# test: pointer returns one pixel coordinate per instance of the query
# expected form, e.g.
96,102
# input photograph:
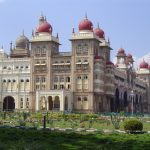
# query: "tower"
21,48
43,46
85,45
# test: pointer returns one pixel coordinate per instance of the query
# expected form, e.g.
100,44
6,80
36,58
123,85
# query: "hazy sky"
125,22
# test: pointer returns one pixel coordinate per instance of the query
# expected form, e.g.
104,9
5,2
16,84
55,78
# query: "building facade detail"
36,76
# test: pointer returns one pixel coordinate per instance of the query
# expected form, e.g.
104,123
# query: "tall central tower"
84,46
43,46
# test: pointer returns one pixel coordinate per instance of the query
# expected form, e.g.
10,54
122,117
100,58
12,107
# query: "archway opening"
117,101
8,103
50,103
125,100
66,103
57,103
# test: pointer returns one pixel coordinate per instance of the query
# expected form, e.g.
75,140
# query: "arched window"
79,77
85,98
61,79
79,98
27,80
67,79
43,79
9,80
21,80
85,77
4,81
68,61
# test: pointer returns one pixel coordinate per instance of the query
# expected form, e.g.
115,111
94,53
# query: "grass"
63,121
17,139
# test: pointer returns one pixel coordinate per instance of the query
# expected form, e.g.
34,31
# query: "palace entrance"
8,103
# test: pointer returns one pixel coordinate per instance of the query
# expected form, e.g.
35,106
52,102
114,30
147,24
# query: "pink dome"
121,51
144,65
99,32
44,27
86,25
129,56
109,63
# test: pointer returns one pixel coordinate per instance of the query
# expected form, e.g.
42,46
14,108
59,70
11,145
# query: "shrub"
133,125
115,120
22,123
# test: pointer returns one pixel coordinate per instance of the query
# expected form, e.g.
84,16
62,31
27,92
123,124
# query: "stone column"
53,99
47,103
37,101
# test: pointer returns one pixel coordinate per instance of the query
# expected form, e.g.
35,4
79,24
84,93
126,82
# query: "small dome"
1,50
22,42
99,32
129,56
143,65
98,57
121,51
109,63
86,24
44,27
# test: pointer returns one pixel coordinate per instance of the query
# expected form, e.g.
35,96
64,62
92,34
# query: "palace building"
36,76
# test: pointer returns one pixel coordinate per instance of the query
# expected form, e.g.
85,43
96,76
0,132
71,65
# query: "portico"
54,100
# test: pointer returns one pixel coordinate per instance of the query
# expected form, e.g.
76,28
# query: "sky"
125,22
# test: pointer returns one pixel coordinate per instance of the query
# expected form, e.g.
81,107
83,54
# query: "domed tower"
44,26
43,47
143,72
129,60
85,45
99,32
22,47
121,59
2,54
104,47
85,25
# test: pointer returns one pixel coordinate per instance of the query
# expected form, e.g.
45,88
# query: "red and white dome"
86,24
144,65
129,56
109,63
121,51
99,32
44,27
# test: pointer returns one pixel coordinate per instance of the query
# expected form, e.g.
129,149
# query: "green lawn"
17,139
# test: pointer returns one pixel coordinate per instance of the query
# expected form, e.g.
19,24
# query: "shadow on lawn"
16,139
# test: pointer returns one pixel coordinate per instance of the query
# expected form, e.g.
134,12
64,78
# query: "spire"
41,20
11,46
73,30
45,18
85,15
98,25
2,47
23,32
57,36
108,40
32,32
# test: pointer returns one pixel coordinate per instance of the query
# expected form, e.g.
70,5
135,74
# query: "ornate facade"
37,76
